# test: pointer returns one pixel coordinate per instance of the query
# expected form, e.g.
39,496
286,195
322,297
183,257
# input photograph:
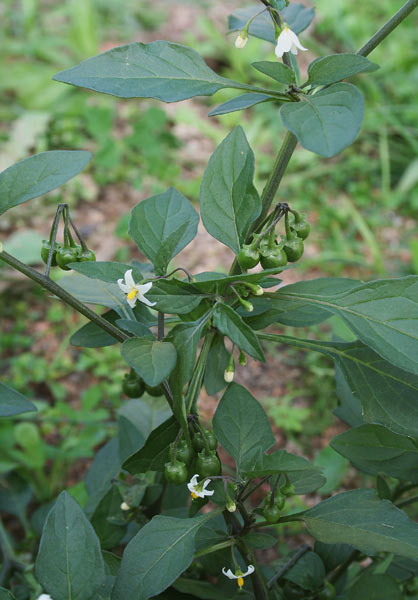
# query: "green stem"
335,576
289,564
214,548
407,502
388,27
68,298
196,382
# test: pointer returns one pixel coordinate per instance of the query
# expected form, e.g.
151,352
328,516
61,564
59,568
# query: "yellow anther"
132,294
194,496
240,581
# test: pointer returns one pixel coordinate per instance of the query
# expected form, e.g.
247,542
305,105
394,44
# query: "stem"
196,382
388,27
289,564
252,490
160,334
334,577
68,298
406,502
260,588
215,548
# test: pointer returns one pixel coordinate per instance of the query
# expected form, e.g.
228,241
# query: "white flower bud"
125,506
241,40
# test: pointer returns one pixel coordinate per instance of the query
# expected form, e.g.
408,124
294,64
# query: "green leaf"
349,409
6,595
326,122
137,329
107,271
97,292
218,358
276,70
361,519
159,553
105,466
185,338
260,541
154,454
277,463
333,555
93,336
174,296
164,70
374,449
218,282
308,572
69,564
308,481
336,67
242,426
229,202
163,225
375,587
240,103
387,394
152,360
382,313
108,509
13,403
297,312
228,322
297,16
38,175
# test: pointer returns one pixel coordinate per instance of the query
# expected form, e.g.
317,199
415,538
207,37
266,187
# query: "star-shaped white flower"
198,490
134,291
288,41
44,597
239,575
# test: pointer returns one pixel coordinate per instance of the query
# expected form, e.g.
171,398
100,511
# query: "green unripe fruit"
288,489
45,252
208,465
271,513
176,472
302,229
133,386
199,444
293,249
248,257
65,256
86,256
271,259
154,391
183,452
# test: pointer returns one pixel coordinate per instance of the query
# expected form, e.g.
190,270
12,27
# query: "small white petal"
132,301
250,570
295,41
229,573
144,287
125,288
129,280
44,597
241,41
206,483
142,298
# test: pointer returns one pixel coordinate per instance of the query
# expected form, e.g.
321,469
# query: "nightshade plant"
140,534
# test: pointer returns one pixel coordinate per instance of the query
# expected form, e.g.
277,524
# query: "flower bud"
242,39
230,505
242,359
256,289
246,305
125,506
229,374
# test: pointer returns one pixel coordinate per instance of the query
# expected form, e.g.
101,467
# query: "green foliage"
12,403
152,360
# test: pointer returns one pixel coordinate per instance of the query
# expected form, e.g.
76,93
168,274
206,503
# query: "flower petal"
144,287
295,41
142,298
284,43
229,573
125,288
129,279
249,571
132,301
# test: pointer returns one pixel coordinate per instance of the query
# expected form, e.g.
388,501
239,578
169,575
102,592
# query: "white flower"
239,575
125,506
241,40
229,375
287,41
198,490
44,597
134,291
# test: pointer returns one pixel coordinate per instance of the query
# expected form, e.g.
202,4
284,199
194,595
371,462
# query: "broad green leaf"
93,336
333,555
228,322
152,360
164,70
185,338
13,403
382,313
349,408
297,16
69,564
174,296
240,103
97,292
106,519
277,463
375,587
276,70
296,312
359,518
104,591
336,67
107,271
137,329
157,556
154,454
105,466
136,419
215,366
308,572
242,426
308,481
334,468
229,202
326,122
374,449
260,541
38,175
218,282
163,225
